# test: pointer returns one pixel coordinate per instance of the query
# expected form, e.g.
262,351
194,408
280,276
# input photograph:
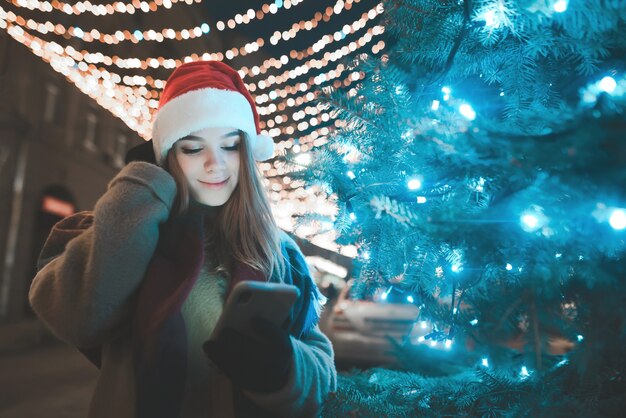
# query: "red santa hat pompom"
205,94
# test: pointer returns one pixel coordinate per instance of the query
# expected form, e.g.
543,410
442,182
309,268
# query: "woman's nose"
213,159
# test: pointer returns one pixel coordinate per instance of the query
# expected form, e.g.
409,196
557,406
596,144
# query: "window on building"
50,104
91,126
120,150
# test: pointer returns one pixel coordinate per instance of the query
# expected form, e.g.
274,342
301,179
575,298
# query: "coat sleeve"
313,374
312,377
92,265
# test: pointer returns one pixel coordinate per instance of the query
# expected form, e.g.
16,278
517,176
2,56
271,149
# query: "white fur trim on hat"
263,148
201,109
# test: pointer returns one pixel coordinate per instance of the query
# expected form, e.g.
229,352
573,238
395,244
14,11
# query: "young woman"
139,283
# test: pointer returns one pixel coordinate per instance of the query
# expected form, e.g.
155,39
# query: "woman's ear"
141,152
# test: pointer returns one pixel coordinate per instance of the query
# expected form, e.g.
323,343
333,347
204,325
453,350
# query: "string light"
608,84
533,219
142,91
560,6
414,184
617,220
524,372
98,9
94,35
467,111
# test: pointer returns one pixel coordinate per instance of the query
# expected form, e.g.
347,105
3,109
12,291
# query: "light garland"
251,14
98,9
121,101
136,36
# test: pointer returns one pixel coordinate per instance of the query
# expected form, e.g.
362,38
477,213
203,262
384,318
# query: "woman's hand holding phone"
259,363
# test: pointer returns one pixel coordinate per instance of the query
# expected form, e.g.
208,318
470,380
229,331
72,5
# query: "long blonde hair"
244,229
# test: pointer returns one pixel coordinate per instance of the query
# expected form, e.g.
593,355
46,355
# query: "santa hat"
205,94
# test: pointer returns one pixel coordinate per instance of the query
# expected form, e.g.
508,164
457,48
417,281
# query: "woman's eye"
233,148
190,151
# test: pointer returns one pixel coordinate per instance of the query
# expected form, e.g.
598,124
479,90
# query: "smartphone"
248,299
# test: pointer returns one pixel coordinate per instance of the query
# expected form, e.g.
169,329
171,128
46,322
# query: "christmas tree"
482,167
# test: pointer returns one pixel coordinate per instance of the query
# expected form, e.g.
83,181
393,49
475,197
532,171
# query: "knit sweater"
90,272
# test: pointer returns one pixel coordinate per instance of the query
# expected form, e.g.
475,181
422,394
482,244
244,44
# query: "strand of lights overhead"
317,64
93,35
313,111
268,110
132,96
300,100
247,17
121,101
123,104
159,84
96,58
135,36
146,7
313,49
98,9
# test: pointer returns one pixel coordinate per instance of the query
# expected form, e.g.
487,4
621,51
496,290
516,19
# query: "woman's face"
209,158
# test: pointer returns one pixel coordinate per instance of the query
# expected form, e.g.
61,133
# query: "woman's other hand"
258,364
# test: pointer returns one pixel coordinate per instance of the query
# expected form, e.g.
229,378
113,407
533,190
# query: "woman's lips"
214,185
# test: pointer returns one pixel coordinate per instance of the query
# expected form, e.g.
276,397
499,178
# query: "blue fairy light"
607,84
435,105
467,111
509,266
533,219
386,294
138,34
530,221
78,32
421,199
560,6
352,216
580,338
366,255
410,299
617,220
424,324
350,175
474,321
456,268
205,28
446,93
485,362
448,344
524,372
414,184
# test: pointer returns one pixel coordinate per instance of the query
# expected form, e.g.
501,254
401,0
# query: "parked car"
361,329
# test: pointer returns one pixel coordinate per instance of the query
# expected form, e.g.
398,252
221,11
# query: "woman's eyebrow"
233,133
197,138
191,138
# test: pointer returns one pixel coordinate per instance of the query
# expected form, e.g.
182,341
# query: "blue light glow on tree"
482,167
